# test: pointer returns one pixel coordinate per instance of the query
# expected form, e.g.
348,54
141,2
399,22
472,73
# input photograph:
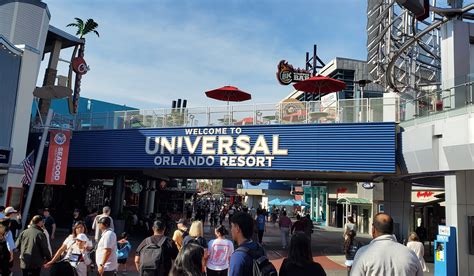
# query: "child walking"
123,248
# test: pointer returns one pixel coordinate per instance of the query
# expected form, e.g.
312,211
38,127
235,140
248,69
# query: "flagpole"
39,157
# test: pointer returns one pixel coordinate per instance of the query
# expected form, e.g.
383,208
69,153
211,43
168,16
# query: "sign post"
35,171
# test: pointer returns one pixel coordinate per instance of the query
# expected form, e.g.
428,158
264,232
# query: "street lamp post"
362,84
39,157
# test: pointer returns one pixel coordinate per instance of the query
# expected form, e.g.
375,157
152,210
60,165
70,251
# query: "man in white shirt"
105,213
384,255
106,254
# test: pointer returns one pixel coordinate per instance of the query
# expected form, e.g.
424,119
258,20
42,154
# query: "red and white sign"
79,66
424,196
56,168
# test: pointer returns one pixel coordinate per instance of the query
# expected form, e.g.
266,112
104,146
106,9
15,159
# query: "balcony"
437,103
293,112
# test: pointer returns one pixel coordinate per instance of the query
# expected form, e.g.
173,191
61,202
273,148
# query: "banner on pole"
56,168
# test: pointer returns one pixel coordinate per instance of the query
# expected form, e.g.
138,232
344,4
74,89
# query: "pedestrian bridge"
290,111
344,141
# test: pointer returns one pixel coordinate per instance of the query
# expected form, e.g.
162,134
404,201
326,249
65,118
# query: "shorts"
122,261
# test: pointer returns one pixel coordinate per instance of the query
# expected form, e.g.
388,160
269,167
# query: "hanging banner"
57,157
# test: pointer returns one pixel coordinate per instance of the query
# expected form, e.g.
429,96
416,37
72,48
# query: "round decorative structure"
136,188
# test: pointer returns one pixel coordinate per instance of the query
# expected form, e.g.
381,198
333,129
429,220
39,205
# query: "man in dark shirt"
299,226
76,217
241,263
33,245
49,223
169,250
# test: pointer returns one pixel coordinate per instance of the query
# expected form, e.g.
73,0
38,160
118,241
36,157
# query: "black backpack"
261,265
151,257
4,252
184,234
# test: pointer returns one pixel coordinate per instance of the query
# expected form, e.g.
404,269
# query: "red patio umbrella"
320,84
246,121
229,93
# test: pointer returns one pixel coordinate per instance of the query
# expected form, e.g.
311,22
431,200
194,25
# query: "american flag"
28,167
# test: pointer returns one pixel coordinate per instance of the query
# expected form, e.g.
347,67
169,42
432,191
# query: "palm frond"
79,25
96,32
90,26
79,21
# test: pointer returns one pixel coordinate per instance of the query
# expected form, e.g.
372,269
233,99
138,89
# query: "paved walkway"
326,245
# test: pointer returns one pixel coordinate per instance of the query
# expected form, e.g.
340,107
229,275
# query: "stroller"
68,266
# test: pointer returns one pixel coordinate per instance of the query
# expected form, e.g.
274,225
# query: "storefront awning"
353,201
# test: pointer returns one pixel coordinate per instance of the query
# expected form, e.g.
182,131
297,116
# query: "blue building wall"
86,105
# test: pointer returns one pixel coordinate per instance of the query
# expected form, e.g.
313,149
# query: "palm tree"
83,29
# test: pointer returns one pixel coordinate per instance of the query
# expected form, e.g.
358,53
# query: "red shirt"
285,222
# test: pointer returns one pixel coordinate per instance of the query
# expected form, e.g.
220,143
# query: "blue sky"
151,52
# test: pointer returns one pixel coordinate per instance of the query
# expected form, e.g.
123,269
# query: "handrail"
341,111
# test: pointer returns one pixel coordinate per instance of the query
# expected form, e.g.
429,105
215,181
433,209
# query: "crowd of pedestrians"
187,252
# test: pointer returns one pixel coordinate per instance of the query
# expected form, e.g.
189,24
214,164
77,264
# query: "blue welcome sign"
366,147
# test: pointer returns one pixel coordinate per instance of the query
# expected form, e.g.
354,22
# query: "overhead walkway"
345,140
286,112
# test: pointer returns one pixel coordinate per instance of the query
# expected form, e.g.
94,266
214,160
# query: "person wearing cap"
49,223
33,247
13,222
77,255
79,228
106,253
180,233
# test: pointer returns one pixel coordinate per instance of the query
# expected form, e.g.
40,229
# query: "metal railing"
454,95
341,111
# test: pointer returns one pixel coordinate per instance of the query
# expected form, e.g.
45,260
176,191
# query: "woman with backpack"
220,250
196,235
189,262
180,233
351,245
300,259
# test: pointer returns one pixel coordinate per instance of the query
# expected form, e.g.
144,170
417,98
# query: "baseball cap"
182,221
10,210
82,237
